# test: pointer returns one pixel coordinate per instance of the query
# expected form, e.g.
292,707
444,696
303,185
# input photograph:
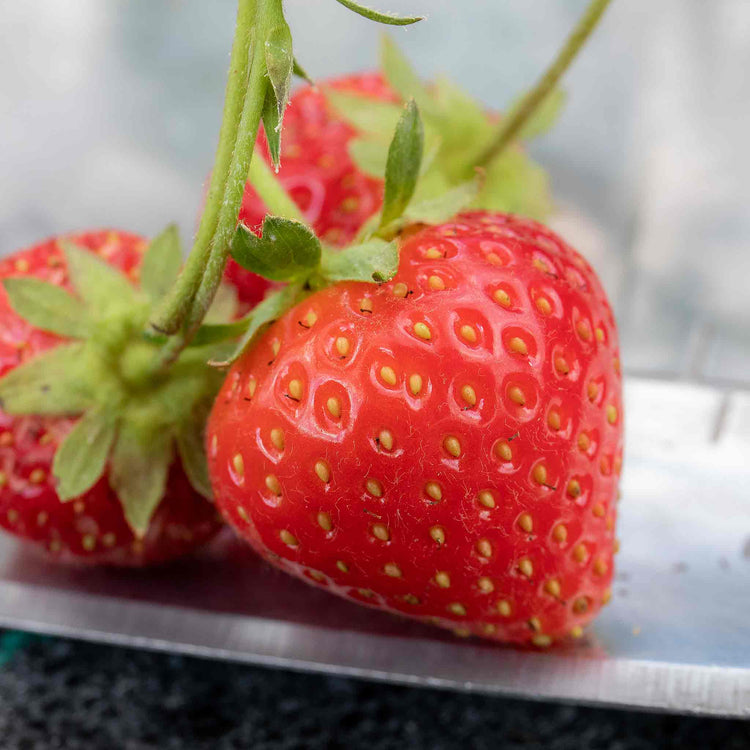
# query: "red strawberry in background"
91,527
318,173
334,147
445,446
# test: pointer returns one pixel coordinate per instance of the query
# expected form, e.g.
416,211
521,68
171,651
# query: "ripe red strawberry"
91,528
317,171
445,446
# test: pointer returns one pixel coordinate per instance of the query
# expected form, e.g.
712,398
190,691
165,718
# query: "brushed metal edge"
620,683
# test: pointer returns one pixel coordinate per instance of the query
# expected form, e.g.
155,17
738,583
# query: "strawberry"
445,446
318,173
93,526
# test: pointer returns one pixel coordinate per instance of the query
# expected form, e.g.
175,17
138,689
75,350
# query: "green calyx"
134,416
458,129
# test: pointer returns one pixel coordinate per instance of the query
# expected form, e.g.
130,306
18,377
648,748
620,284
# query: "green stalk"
277,200
512,126
177,305
213,270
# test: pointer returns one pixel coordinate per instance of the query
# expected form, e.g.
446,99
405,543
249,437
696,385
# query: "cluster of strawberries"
445,444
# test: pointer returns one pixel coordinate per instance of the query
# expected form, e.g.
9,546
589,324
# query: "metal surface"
676,636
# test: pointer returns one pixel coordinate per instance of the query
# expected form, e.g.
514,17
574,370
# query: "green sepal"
48,306
300,72
224,306
403,165
192,449
401,75
80,460
287,250
516,184
101,286
265,312
390,19
445,206
280,61
139,467
366,115
464,125
545,117
279,64
373,261
57,382
161,263
215,333
272,127
370,155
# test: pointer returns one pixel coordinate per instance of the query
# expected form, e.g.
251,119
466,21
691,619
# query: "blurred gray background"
109,113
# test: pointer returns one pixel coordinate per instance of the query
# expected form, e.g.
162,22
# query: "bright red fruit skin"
92,528
318,173
445,446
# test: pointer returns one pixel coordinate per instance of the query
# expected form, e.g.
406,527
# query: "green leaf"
286,250
57,382
82,457
161,263
215,333
365,114
192,448
271,308
280,64
300,72
404,164
370,155
225,305
464,126
544,117
272,127
432,184
401,76
101,286
461,109
390,19
138,472
446,206
280,61
47,306
516,184
373,261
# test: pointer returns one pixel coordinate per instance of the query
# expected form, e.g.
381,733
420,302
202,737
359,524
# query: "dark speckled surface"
73,696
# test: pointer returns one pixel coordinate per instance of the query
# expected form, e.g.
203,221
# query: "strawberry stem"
235,185
512,126
209,272
177,305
